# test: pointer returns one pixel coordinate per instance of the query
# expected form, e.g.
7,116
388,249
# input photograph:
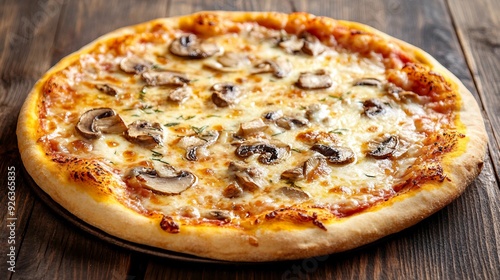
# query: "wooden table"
460,242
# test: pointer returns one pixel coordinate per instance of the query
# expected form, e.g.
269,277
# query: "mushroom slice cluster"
335,154
250,178
270,152
384,148
190,46
168,182
225,94
135,65
280,67
145,133
195,145
318,79
94,122
165,78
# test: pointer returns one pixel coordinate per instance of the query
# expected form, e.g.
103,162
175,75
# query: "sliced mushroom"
315,167
225,94
272,115
164,78
251,128
180,94
107,89
292,44
229,62
144,133
94,122
373,108
280,67
149,178
293,193
250,178
317,112
222,215
398,93
232,190
294,174
335,154
135,65
190,46
314,80
312,45
270,153
384,148
291,122
369,82
195,144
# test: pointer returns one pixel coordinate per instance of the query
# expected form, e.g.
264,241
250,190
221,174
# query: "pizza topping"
317,112
293,193
373,108
250,178
135,65
314,80
290,122
164,78
225,94
180,94
222,215
269,153
272,115
101,120
107,89
311,169
384,148
145,133
294,174
190,46
280,67
335,154
196,145
169,181
369,82
232,190
252,128
315,167
312,45
228,62
305,42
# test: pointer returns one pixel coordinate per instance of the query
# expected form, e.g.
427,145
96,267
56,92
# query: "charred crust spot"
169,225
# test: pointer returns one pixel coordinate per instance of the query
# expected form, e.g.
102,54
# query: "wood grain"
478,27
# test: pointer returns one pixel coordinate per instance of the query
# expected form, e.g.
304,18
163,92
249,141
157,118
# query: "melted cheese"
340,114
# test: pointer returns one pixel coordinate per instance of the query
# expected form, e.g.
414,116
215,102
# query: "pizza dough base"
280,240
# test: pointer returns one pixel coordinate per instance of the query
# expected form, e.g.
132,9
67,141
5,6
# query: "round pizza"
251,136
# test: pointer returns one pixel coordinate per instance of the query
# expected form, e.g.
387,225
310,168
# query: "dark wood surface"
460,242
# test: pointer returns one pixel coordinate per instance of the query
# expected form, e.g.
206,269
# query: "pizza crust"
278,240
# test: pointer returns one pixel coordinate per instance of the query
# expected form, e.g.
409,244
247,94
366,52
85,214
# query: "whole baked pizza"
251,136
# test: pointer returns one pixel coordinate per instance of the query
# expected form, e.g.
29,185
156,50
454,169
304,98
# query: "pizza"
251,136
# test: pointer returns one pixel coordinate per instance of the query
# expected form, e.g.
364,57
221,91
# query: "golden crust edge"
347,233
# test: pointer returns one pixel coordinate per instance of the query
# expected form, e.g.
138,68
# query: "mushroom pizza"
251,136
